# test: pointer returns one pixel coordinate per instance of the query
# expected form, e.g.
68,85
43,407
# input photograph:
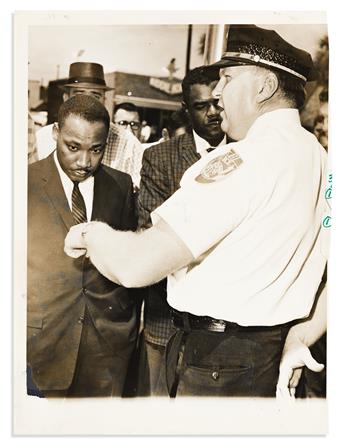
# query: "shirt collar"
278,117
202,144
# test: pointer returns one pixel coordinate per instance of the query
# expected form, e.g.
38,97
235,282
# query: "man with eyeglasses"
126,115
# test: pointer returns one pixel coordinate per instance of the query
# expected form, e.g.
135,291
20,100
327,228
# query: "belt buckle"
218,326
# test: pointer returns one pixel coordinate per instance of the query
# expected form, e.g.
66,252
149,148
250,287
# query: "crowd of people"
192,266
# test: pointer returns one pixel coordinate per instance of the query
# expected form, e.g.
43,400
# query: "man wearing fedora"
242,239
123,150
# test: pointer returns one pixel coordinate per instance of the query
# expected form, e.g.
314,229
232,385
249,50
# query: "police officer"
241,239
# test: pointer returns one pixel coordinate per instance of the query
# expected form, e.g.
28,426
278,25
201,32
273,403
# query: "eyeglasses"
133,124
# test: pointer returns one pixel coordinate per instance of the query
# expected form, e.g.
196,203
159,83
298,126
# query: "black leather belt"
187,321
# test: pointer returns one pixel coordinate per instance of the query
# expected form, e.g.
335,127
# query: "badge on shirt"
219,167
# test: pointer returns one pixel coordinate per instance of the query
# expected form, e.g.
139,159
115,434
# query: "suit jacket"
162,169
59,287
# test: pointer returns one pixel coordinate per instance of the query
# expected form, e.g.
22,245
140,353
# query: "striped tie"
78,205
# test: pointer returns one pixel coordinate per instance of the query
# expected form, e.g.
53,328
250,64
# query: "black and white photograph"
174,198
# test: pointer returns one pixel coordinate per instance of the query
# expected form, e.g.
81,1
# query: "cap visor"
223,63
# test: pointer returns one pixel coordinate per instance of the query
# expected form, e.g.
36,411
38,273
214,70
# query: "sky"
136,49
144,49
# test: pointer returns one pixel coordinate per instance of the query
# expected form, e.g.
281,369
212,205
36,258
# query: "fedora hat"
86,75
251,45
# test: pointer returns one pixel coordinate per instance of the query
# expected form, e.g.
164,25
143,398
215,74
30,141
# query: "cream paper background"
32,416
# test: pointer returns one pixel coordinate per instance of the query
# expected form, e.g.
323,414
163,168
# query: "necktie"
78,205
210,149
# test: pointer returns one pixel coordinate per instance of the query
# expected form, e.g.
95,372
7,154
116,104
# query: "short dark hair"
177,119
127,106
201,76
292,88
86,107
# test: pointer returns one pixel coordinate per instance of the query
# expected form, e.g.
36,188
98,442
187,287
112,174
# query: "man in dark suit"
81,328
162,169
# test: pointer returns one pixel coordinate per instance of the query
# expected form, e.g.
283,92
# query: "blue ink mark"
327,222
328,193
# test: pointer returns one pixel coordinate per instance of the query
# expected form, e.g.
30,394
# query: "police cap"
251,45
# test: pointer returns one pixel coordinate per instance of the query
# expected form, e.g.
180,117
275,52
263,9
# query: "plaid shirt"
123,152
163,166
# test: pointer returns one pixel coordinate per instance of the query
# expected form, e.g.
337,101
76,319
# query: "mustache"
215,120
83,170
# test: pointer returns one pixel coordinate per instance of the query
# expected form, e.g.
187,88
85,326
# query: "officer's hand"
74,241
295,356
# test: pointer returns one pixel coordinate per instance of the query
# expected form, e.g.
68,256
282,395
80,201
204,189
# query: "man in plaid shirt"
162,169
123,150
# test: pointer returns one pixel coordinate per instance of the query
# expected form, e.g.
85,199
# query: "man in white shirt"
81,328
123,150
127,116
242,238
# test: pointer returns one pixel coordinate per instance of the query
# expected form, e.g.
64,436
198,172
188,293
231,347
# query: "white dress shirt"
202,145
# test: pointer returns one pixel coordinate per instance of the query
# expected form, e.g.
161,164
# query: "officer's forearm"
135,259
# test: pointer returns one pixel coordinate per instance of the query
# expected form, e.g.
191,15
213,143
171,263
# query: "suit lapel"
107,202
54,189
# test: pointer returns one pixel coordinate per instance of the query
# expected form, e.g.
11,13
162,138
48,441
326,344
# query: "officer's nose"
217,91
84,160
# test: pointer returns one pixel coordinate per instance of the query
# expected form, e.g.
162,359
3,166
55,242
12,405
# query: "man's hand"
295,356
74,242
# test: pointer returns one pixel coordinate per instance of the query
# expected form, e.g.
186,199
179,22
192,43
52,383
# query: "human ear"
267,87
184,107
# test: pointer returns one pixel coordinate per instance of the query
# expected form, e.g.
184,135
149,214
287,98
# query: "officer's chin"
225,128
231,135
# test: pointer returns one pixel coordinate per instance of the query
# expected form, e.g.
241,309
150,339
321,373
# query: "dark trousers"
98,371
151,374
242,362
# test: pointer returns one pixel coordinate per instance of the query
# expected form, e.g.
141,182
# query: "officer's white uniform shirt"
254,231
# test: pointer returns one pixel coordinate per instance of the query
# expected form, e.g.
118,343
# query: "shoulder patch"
219,167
